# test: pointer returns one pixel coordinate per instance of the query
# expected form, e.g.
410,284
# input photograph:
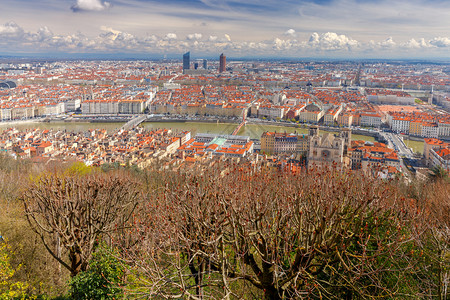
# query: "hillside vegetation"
232,231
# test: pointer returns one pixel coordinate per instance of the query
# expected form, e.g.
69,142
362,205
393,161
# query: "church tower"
346,135
313,131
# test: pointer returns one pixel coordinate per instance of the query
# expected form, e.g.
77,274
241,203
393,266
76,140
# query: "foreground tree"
436,242
77,211
325,234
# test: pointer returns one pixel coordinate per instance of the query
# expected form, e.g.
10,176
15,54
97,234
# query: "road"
134,122
395,141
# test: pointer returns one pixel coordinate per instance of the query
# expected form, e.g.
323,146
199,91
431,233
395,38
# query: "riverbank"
253,129
150,119
19,122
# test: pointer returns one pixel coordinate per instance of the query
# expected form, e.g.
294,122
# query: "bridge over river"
239,127
244,121
134,122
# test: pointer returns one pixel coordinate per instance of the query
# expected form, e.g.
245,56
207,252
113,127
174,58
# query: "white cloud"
171,36
416,44
256,21
331,41
283,45
194,36
44,32
106,28
43,35
109,33
314,39
388,43
440,42
90,5
150,39
14,38
290,32
11,29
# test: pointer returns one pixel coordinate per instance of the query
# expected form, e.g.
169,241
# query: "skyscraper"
223,62
187,61
205,64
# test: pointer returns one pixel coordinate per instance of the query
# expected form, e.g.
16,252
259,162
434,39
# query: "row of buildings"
142,147
389,97
329,149
31,101
326,74
94,147
135,106
420,124
267,90
227,101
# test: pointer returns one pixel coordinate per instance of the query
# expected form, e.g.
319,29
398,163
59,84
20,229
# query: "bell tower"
346,135
313,131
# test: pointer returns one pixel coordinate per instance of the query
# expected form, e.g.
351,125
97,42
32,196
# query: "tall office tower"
187,61
196,65
223,62
205,64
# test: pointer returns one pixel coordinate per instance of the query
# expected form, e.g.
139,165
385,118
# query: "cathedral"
328,149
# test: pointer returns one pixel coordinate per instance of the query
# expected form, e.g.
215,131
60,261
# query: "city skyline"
288,29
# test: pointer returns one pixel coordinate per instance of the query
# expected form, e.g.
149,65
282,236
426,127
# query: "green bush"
102,279
8,288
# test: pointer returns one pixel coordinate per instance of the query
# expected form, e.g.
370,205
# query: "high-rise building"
223,62
187,61
205,64
196,65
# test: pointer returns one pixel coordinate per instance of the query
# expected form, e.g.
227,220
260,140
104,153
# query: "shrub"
101,280
8,288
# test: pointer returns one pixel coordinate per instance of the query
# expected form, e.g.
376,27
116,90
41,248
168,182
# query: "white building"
371,120
444,129
54,109
272,112
72,105
131,107
172,86
430,130
399,124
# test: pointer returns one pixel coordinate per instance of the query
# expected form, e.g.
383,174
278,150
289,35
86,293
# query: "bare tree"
325,233
76,211
435,243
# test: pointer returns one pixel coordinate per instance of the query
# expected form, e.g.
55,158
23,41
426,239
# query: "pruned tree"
435,242
76,211
325,234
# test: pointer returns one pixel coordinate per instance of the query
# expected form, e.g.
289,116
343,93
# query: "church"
328,149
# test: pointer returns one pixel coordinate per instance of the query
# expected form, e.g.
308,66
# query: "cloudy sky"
239,28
